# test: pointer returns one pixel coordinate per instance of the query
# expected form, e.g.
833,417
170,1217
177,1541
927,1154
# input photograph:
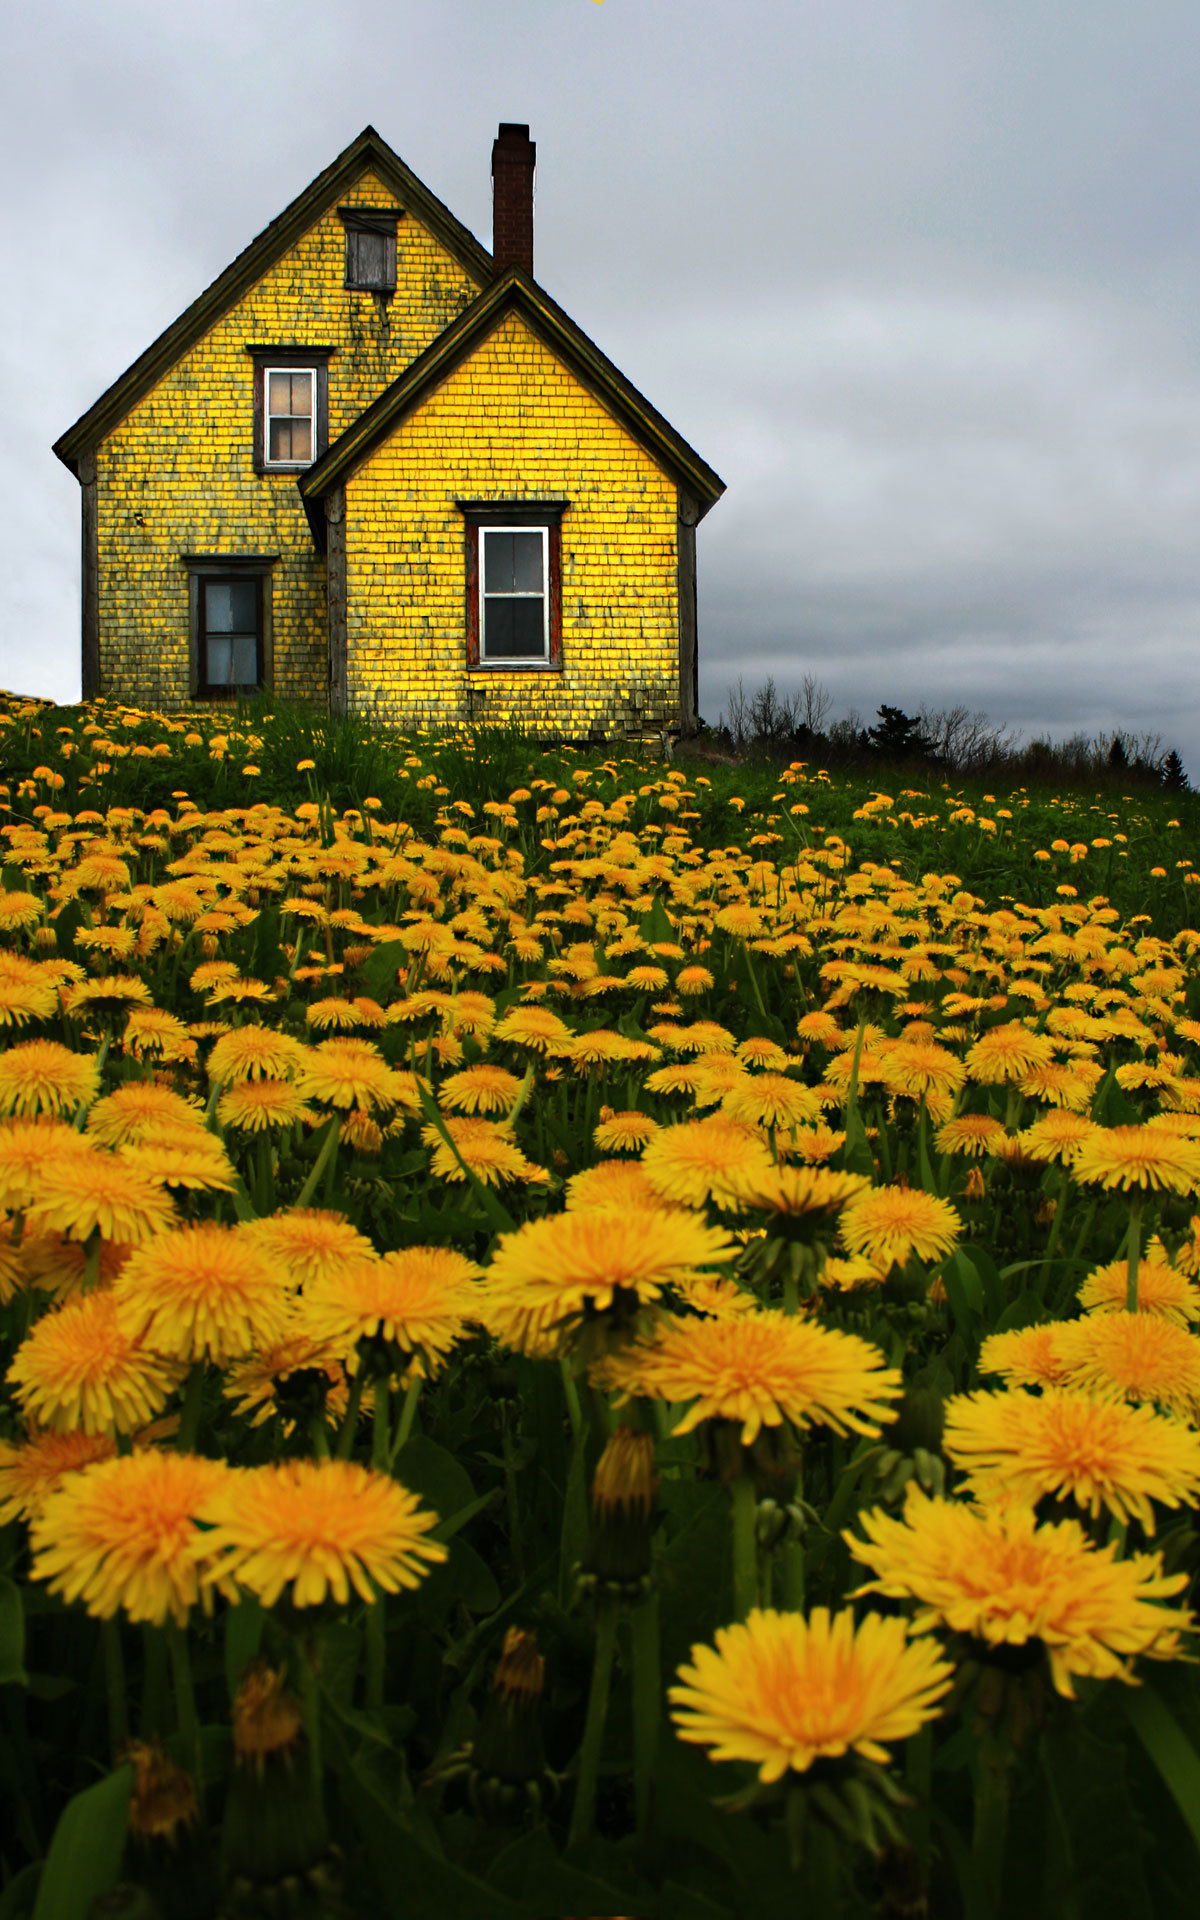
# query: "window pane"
497,562
301,400
280,445
219,655
245,660
279,394
301,440
513,630
527,562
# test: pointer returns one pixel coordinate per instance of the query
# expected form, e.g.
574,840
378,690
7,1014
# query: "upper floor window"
231,626
370,247
291,407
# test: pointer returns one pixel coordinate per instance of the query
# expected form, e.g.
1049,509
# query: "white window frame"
288,466
507,660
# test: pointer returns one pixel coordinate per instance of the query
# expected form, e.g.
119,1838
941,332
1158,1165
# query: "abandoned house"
375,465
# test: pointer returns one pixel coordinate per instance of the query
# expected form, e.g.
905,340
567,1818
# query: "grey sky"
920,278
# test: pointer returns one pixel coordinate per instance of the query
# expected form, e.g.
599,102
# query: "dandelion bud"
508,1758
624,1490
274,1828
976,1187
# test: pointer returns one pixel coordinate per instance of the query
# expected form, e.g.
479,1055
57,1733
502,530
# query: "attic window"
370,248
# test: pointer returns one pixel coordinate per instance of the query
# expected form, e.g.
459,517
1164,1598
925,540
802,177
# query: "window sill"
515,666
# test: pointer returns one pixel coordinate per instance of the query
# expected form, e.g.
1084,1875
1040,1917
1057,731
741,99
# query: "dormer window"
291,407
370,248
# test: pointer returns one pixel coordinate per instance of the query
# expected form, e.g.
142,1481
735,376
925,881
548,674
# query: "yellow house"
375,465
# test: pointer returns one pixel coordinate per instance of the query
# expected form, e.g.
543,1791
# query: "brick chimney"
513,158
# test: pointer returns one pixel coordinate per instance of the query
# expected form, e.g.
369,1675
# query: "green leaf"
85,1853
499,1216
964,1291
435,1475
12,1635
243,1635
1170,1749
16,1902
655,926
381,968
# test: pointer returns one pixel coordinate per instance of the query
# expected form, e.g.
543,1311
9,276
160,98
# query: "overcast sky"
919,278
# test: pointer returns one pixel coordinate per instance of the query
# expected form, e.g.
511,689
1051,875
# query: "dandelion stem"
515,1543
376,1614
647,1704
593,1732
1135,1236
328,1149
345,1440
574,1410
745,1546
990,1831
189,1419
154,1682
185,1701
408,1413
114,1688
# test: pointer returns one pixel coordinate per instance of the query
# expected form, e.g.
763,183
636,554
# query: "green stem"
574,1410
154,1682
516,1545
345,1439
310,1701
328,1149
319,1437
647,1705
376,1614
1135,1237
114,1688
990,1830
185,1701
745,1546
408,1414
593,1732
189,1419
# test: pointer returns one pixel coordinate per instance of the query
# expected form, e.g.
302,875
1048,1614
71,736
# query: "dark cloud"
920,282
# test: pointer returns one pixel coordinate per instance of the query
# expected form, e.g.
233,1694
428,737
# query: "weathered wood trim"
89,577
689,664
335,523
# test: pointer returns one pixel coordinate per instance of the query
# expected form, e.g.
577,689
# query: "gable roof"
369,150
513,292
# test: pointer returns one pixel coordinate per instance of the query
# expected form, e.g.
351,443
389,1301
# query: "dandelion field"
589,1337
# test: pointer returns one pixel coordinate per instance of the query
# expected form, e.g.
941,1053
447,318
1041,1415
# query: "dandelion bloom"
1007,1053
535,1028
974,1134
347,1073
311,1242
552,1271
1161,1288
701,1159
998,1576
252,1106
800,1191
27,991
482,1088
79,1367
916,1068
123,1534
485,1147
42,1076
611,1183
38,1464
624,1130
203,1292
154,1030
890,1223
98,1191
321,1527
691,981
1028,1356
26,1147
1141,1356
772,1100
140,1108
255,1052
1056,1136
419,1297
1142,1157
1071,1445
781,1691
761,1369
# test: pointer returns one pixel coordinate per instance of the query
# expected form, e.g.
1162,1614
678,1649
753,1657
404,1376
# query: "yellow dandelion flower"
347,1073
800,1191
772,1100
1161,1288
1055,1136
152,1030
41,1076
973,1134
421,1298
310,1243
482,1088
252,1384
1028,1356
782,1691
79,1367
139,1109
204,1291
1007,1053
188,1157
27,991
26,1147
251,1106
888,1224
814,1145
552,1272
702,1159
123,1534
622,1132
534,1028
692,981
1141,1356
98,1192
916,1068
1138,1156
1070,1445
38,1464
761,1369
320,1528
483,1146
611,1183
255,1052
998,1576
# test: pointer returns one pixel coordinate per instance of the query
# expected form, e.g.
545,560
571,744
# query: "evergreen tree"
1174,778
897,736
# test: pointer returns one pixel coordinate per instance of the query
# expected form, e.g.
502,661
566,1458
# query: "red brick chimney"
513,158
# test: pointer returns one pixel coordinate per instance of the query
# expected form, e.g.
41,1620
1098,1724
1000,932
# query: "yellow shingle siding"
513,423
177,475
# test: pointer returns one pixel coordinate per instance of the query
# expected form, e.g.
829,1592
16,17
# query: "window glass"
290,416
514,608
514,630
229,637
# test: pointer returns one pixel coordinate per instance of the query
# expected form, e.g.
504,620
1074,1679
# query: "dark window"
370,248
229,652
514,582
